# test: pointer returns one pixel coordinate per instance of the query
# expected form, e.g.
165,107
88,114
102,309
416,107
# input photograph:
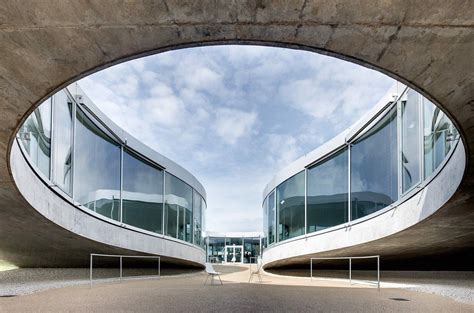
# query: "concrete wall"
46,45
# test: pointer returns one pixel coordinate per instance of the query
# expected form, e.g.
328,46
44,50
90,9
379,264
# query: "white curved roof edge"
335,143
233,234
135,144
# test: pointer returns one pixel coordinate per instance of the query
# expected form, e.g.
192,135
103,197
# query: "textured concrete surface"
456,285
30,280
48,44
187,294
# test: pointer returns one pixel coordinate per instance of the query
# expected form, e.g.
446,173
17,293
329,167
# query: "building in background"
234,247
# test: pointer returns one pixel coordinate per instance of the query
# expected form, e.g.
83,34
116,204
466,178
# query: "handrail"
121,258
350,265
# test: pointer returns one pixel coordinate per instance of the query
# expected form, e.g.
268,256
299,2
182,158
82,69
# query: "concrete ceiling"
46,45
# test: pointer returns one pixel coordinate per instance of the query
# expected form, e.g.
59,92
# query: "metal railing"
350,265
121,263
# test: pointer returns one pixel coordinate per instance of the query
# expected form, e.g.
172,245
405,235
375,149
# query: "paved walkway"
187,294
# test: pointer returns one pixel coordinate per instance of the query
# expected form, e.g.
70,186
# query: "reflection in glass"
374,168
215,250
439,136
178,208
35,136
233,241
290,207
203,222
197,212
265,223
270,201
327,191
233,254
251,250
63,138
97,160
142,195
410,118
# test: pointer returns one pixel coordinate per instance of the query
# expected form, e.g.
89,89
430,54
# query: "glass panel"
374,171
35,136
97,174
234,254
178,208
265,222
290,206
197,211
142,195
251,250
216,250
181,223
63,137
233,241
171,220
439,136
188,225
328,192
410,141
203,220
271,218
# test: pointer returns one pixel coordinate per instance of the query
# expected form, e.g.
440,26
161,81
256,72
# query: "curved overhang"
426,47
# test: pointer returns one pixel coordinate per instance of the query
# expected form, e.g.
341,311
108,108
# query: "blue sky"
235,115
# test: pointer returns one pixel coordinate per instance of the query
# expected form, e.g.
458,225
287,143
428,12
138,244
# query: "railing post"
90,271
378,272
311,268
120,268
350,270
159,267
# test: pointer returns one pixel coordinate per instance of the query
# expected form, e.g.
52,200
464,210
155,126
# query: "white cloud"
167,111
232,124
308,97
287,146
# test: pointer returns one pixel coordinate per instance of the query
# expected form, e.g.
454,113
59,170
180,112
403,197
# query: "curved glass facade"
374,170
290,207
327,192
142,193
397,150
82,157
35,135
97,168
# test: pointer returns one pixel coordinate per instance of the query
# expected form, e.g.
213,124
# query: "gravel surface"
30,280
188,294
456,285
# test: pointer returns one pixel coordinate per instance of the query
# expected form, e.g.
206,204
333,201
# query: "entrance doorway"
233,254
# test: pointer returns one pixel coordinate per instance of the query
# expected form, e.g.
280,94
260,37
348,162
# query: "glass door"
233,254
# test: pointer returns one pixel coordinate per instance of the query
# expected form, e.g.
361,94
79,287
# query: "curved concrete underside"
46,45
